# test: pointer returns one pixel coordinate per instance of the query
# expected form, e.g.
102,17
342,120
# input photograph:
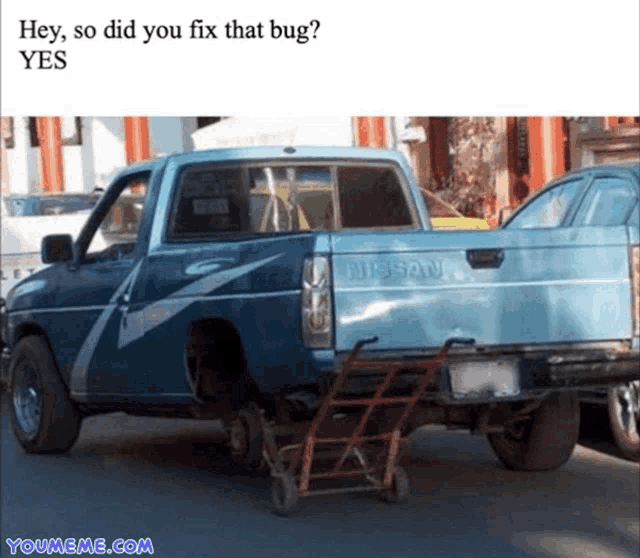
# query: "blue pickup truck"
244,278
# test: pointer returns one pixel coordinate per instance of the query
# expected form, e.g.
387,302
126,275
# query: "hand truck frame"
291,466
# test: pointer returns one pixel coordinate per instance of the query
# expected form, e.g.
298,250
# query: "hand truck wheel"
399,492
284,494
246,438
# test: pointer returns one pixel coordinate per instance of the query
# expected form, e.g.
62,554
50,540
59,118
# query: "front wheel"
43,417
544,442
624,417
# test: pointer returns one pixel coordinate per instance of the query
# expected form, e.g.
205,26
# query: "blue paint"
119,329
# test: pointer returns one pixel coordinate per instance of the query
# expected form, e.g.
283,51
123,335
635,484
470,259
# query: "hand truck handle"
364,342
459,341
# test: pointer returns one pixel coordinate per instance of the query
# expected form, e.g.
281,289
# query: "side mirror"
56,248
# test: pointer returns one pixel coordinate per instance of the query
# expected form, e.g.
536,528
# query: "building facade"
77,154
507,159
493,163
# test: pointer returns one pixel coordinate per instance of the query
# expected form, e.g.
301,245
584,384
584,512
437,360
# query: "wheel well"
25,330
215,351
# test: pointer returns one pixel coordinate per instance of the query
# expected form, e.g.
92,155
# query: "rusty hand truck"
291,465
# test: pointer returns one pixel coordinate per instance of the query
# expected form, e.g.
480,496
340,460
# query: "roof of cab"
287,152
257,153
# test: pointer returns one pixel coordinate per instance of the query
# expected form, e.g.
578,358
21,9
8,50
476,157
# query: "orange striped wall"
136,132
50,138
371,131
137,142
546,151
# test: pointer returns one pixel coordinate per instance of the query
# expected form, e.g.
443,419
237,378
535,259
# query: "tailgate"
414,290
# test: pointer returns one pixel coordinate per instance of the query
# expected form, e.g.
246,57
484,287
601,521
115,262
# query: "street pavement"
171,481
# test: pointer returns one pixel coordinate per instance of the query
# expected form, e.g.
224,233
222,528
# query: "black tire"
284,494
544,443
43,417
248,451
624,418
399,493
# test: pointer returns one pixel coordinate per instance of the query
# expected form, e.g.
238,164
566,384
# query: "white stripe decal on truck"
80,368
158,312
142,321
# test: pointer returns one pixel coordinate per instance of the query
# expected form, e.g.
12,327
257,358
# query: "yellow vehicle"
445,216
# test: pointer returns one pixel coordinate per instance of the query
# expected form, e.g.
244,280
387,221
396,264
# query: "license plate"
497,378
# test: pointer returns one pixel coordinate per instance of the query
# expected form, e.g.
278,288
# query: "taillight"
317,305
635,288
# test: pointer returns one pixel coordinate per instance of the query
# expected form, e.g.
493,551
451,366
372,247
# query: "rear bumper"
595,373
582,368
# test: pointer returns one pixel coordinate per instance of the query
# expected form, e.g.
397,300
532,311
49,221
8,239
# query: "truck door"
96,292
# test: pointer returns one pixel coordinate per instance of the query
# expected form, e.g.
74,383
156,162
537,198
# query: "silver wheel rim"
627,408
27,400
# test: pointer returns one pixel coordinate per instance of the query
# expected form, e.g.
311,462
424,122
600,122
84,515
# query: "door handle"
490,258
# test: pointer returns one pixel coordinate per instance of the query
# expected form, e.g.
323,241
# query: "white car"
26,219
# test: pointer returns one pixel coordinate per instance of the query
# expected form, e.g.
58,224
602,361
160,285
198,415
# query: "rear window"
284,199
288,198
371,198
209,202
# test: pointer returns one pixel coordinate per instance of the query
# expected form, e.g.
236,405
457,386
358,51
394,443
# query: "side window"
607,203
117,234
549,209
371,197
